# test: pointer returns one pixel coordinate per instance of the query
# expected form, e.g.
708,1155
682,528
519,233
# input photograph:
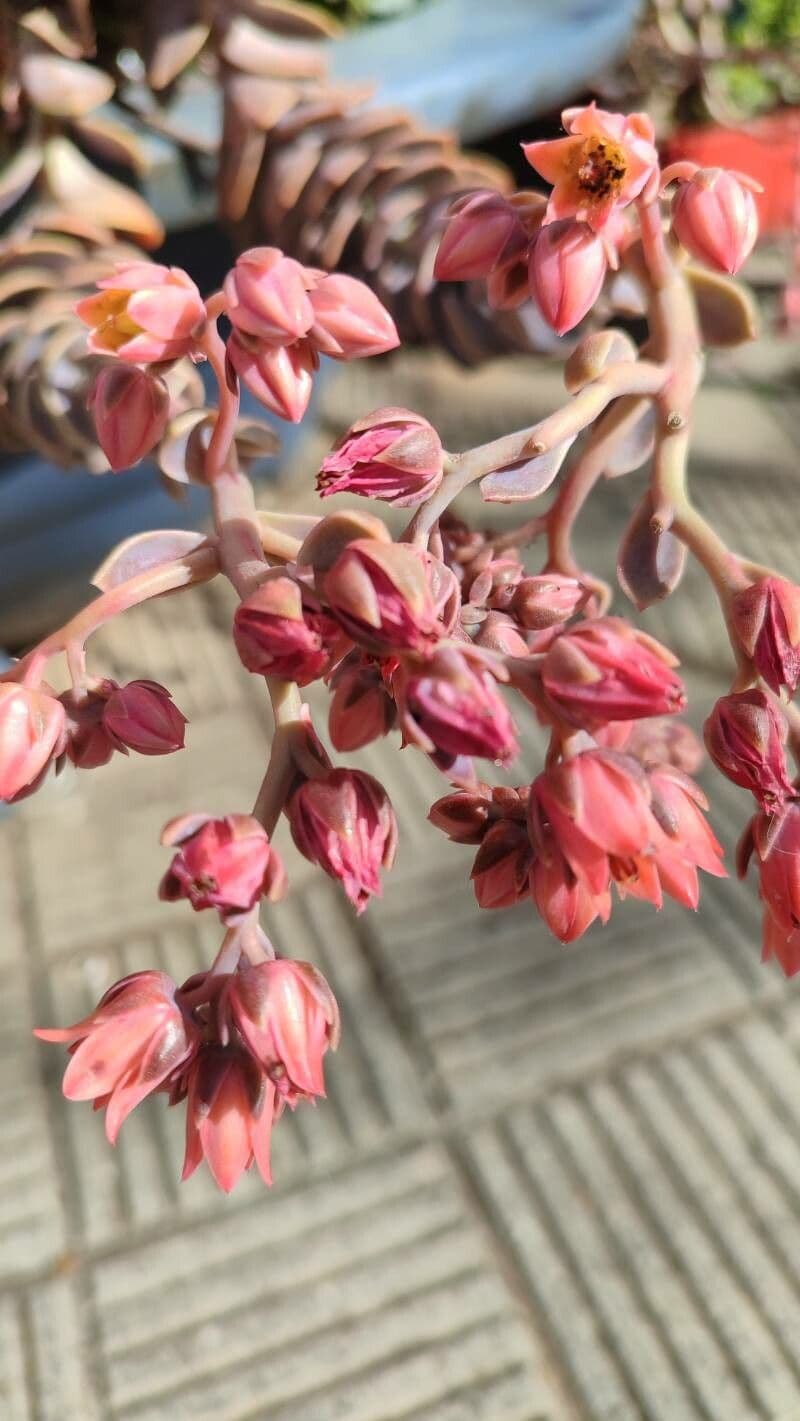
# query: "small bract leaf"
650,564
726,309
635,441
145,551
592,354
527,478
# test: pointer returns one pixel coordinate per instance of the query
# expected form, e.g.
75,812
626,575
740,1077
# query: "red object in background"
768,149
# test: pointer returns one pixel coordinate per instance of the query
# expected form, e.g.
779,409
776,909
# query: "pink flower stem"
641,377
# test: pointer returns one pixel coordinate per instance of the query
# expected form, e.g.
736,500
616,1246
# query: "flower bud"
607,670
502,865
130,408
463,815
142,716
287,1016
333,533
498,632
267,297
227,864
663,740
545,601
392,454
379,593
32,725
361,709
144,313
280,630
566,270
231,1107
479,228
564,901
344,821
280,377
766,617
451,705
745,735
350,322
88,743
714,216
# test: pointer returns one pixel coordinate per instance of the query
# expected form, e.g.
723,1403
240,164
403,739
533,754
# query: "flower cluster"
429,633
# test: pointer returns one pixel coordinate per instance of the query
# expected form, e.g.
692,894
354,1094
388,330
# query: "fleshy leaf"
726,309
650,563
65,88
636,440
527,478
145,551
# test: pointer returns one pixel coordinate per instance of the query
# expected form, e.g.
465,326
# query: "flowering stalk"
427,634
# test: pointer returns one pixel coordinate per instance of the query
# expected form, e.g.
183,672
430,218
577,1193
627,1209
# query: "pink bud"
349,320
745,735
451,705
230,1110
267,296
32,727
380,594
766,617
662,740
464,815
776,839
88,743
142,716
281,630
566,270
288,1018
607,670
344,821
545,601
502,865
226,864
392,454
144,313
715,217
135,1040
479,229
130,408
361,709
281,377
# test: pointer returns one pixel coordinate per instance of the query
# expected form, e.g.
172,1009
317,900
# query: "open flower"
287,1016
129,1046
227,863
775,838
391,454
595,805
601,166
230,1110
144,313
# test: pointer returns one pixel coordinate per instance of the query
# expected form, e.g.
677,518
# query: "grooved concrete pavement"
548,1184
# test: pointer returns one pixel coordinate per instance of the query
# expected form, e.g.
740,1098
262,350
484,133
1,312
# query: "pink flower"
281,630
687,842
144,313
480,228
288,1018
745,735
230,1110
280,377
343,820
563,900
776,841
267,297
714,215
142,716
566,270
129,1046
392,454
380,594
595,805
602,165
130,409
766,617
546,601
451,705
228,864
361,709
350,322
502,865
88,743
32,728
607,670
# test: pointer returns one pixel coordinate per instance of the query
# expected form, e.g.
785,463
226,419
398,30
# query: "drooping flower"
288,1018
144,313
381,595
130,408
566,271
32,728
766,617
607,670
714,216
281,630
343,820
227,864
775,838
279,377
391,454
136,1038
502,865
451,704
564,901
361,709
230,1109
686,842
745,737
595,805
142,716
602,165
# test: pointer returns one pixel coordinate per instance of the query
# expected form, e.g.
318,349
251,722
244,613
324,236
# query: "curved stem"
221,444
